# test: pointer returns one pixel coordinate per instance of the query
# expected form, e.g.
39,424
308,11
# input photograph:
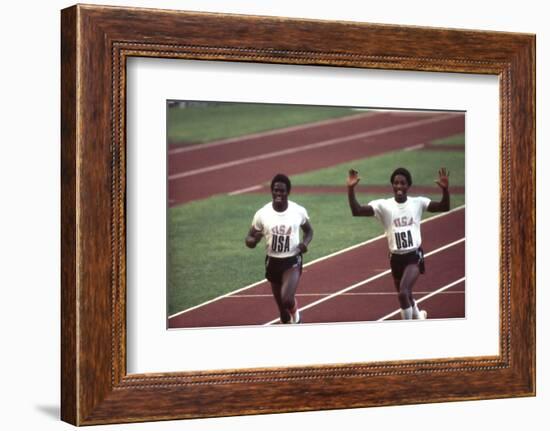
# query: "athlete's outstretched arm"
253,238
443,183
308,236
356,208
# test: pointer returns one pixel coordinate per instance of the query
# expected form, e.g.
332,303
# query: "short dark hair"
404,172
281,178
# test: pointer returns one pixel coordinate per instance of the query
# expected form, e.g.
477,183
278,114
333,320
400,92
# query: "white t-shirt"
281,229
401,222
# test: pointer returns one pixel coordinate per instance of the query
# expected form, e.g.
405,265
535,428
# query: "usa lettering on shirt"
403,239
401,221
281,229
280,240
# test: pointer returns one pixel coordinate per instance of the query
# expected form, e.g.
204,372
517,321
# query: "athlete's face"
400,188
279,194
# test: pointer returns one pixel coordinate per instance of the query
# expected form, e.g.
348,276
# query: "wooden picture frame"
96,42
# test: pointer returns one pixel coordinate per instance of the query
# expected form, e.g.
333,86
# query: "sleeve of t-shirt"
376,205
257,221
424,202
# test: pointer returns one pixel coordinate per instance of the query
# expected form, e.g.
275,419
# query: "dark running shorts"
275,267
398,262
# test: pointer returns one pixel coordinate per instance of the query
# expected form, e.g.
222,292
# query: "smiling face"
400,187
279,193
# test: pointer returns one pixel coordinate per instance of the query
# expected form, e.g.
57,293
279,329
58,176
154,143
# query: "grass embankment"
202,124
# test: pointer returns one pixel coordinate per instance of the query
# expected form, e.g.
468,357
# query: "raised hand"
353,178
443,180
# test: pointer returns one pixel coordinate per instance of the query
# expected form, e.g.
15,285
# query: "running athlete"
401,217
280,222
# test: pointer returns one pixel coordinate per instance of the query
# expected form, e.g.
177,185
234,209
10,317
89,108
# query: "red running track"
201,171
368,301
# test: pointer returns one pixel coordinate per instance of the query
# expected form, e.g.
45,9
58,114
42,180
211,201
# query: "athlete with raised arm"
401,216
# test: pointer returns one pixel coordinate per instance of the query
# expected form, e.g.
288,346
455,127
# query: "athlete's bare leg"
410,275
291,277
276,290
396,283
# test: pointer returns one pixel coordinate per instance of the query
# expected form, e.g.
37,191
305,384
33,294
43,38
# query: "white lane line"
366,281
320,259
271,132
414,147
304,148
418,301
304,295
458,241
187,310
248,189
340,292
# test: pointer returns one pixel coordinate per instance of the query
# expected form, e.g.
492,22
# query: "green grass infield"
211,122
423,166
451,140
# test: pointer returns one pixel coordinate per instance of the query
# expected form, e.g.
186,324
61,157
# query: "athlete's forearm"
308,236
352,200
356,208
443,205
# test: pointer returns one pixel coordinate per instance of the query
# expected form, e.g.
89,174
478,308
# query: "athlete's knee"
396,284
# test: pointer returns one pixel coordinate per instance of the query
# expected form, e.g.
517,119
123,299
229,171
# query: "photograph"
303,214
